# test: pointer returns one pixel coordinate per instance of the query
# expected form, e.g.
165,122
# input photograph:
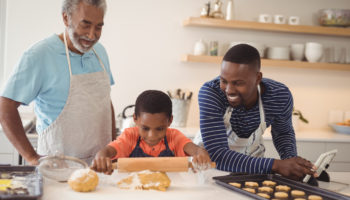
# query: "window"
2,39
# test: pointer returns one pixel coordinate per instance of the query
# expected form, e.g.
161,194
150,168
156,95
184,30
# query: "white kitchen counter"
183,186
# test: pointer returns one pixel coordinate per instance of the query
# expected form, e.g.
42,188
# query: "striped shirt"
278,107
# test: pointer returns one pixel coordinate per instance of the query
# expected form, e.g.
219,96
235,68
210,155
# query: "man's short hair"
153,101
243,54
69,6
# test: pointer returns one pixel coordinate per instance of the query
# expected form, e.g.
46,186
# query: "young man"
151,136
237,107
68,77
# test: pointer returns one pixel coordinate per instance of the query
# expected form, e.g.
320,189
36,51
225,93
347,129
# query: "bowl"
334,17
341,128
278,53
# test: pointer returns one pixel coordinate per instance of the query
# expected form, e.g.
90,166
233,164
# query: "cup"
279,19
200,48
213,48
265,18
329,55
293,20
297,51
313,51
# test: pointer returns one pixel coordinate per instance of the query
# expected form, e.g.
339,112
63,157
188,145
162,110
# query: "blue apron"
138,152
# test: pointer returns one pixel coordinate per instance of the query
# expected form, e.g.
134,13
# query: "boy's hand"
102,164
201,159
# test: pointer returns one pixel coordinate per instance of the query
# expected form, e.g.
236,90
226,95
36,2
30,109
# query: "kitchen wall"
145,40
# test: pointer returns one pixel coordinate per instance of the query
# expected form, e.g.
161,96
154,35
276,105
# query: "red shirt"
127,141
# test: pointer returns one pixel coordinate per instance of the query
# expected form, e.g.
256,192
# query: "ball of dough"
83,180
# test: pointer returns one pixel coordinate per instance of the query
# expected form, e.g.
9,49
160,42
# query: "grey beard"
76,43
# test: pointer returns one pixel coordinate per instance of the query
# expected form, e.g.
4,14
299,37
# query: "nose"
92,34
151,135
230,89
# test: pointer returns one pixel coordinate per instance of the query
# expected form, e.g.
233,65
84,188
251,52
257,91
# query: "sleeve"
282,131
26,80
124,144
178,140
214,137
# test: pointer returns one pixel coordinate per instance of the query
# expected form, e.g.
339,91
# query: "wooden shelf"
271,63
221,23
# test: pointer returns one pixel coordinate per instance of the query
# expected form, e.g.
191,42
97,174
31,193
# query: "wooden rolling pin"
163,164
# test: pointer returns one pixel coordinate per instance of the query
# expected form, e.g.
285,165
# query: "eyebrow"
88,22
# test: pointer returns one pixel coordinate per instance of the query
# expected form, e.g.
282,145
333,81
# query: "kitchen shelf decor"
250,25
271,63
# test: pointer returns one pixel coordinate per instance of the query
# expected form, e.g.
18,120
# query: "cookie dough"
281,195
83,180
314,197
145,180
297,193
264,195
251,184
265,189
282,188
251,190
238,185
269,183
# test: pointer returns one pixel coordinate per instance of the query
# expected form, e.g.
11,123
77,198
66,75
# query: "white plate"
341,129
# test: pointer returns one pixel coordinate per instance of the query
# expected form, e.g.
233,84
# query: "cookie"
251,184
299,199
269,183
297,193
264,195
265,189
281,195
238,185
314,197
282,188
251,190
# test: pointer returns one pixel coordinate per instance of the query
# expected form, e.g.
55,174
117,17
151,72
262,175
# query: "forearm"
284,143
190,149
108,152
14,131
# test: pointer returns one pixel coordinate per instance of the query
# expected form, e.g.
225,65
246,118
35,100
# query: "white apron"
85,124
253,145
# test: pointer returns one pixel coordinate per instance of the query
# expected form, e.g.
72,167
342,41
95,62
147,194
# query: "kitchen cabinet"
256,26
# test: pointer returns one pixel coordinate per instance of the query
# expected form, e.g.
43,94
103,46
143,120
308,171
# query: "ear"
65,19
134,117
170,120
258,78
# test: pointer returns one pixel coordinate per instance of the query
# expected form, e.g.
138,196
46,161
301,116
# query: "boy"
151,137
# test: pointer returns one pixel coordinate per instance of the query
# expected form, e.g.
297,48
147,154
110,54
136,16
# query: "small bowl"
341,128
334,17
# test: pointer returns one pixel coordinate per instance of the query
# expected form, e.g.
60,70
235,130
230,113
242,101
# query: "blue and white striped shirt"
278,107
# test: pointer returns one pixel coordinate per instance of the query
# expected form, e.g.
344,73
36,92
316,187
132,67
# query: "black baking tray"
259,178
33,182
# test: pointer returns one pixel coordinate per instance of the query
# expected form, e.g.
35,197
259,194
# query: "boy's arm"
199,154
102,161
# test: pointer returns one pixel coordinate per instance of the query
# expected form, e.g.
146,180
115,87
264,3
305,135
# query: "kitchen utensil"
124,120
60,167
165,164
259,178
180,109
322,163
341,128
297,51
334,17
313,51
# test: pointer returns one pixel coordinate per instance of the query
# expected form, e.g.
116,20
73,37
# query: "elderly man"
237,107
68,77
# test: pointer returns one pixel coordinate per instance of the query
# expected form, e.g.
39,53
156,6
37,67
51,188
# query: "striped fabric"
278,106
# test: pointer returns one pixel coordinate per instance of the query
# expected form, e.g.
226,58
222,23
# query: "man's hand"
34,160
294,168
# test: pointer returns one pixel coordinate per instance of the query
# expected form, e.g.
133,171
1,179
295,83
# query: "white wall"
145,40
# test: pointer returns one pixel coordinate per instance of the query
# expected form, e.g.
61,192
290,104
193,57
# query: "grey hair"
69,6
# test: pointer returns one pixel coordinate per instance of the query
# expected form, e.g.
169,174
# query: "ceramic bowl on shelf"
334,17
278,53
341,128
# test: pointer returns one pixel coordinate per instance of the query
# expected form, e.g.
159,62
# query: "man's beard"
75,40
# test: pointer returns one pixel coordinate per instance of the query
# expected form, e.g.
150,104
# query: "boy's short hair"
153,101
243,54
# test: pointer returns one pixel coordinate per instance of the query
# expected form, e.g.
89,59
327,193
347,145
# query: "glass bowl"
334,17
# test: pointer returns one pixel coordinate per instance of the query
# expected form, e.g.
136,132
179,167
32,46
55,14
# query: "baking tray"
259,178
28,176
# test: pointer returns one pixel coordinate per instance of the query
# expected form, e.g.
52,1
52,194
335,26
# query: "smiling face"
152,127
84,27
239,82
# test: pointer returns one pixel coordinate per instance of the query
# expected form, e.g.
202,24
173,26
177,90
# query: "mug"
297,51
279,19
265,18
293,20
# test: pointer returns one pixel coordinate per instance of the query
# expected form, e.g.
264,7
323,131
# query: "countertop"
183,186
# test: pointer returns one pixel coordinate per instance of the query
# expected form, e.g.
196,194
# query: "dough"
265,189
251,190
281,195
269,183
314,197
146,180
264,195
83,180
251,184
238,185
297,193
282,188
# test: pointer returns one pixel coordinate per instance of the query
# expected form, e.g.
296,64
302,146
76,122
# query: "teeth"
232,98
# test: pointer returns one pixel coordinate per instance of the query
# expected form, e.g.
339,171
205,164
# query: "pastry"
299,199
251,184
282,188
269,183
265,189
238,185
264,195
251,190
297,193
314,197
146,180
83,180
281,195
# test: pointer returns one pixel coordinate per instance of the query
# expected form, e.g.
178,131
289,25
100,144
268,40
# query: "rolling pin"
163,164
